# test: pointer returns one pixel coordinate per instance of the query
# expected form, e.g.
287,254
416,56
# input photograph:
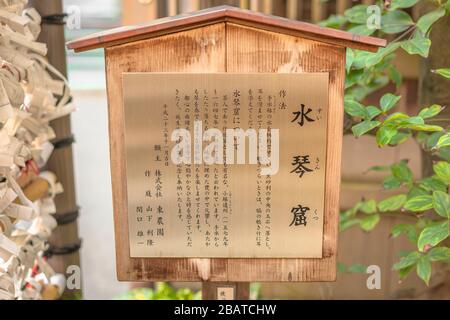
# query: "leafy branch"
426,200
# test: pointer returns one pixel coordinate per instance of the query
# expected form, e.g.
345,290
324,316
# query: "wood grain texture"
214,15
232,48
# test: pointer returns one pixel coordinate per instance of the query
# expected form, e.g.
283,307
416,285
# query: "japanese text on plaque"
225,165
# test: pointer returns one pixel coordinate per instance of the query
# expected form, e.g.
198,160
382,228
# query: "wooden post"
172,7
189,5
292,9
317,11
254,5
61,161
244,4
134,12
341,6
267,6
225,290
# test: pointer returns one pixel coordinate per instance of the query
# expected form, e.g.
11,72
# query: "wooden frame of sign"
244,42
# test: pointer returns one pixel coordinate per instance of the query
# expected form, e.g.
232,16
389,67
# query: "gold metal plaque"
225,165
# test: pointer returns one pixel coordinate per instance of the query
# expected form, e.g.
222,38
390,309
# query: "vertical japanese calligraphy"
225,165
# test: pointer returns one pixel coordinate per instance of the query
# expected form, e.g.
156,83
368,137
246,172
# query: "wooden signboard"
213,55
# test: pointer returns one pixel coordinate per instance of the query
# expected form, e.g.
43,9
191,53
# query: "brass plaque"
224,165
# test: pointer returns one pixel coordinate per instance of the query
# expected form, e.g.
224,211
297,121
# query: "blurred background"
91,159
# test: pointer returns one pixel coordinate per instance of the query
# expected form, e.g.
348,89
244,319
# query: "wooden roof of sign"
214,15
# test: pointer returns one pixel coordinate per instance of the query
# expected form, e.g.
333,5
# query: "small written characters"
229,148
225,165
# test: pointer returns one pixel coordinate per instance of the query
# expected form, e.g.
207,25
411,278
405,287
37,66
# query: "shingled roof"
200,18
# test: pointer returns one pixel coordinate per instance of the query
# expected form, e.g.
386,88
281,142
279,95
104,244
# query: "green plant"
162,291
426,200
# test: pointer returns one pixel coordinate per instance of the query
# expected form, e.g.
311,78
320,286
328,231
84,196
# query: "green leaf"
395,76
433,139
375,58
395,21
379,168
426,21
344,225
388,101
341,267
396,117
354,108
439,254
403,253
444,141
416,191
350,212
333,21
411,121
368,207
432,184
399,4
393,203
357,268
417,123
424,127
408,229
399,138
363,127
424,269
418,44
433,235
349,57
361,30
360,60
410,260
370,222
444,154
357,14
442,170
402,273
384,135
372,112
402,172
441,203
443,72
419,203
391,182
431,111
